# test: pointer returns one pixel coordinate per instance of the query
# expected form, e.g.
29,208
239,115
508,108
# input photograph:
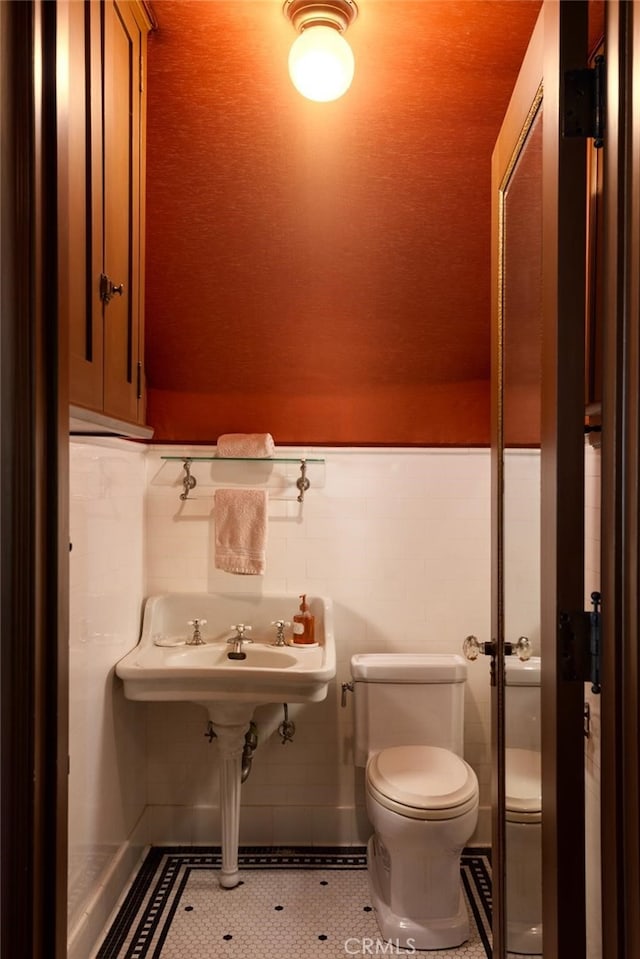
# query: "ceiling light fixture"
321,62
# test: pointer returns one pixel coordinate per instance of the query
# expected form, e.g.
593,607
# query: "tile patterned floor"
302,903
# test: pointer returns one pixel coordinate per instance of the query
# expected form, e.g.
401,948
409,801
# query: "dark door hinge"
583,103
139,380
580,645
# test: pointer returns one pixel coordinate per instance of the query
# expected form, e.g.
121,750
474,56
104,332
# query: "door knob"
522,648
108,289
472,648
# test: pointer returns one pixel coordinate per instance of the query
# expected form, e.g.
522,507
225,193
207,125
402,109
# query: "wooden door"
542,404
122,73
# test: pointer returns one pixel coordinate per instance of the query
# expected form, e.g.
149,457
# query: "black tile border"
476,879
164,863
132,904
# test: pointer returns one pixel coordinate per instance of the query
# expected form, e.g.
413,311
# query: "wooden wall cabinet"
101,131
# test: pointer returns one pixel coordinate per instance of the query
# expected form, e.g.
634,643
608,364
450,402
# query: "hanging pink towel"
240,517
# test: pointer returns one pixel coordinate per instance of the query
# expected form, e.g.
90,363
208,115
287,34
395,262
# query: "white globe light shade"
321,64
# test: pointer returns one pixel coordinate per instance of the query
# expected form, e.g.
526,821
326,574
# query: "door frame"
562,490
34,539
620,572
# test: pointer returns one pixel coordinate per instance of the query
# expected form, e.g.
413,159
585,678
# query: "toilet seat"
523,786
422,782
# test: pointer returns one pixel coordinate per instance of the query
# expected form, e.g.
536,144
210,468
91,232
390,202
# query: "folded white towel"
240,517
245,444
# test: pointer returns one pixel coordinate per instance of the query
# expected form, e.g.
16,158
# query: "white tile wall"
400,540
106,732
592,745
522,545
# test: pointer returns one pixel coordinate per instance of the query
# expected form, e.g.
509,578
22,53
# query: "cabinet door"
80,195
122,72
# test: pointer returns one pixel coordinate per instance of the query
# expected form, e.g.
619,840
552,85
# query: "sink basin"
216,656
162,667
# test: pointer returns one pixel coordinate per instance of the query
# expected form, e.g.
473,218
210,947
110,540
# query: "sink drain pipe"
250,746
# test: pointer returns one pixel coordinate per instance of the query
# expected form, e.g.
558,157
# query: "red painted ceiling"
321,271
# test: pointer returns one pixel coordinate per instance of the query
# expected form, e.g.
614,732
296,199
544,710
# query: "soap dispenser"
304,624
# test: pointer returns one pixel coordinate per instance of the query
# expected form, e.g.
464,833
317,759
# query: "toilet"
421,796
523,807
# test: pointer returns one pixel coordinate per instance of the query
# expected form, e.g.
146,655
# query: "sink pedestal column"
230,723
230,742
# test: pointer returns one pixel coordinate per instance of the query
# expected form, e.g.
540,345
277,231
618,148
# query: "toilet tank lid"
518,673
408,668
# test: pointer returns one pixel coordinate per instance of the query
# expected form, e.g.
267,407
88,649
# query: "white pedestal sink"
163,666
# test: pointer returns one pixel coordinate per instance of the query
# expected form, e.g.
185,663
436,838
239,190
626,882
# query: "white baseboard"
85,933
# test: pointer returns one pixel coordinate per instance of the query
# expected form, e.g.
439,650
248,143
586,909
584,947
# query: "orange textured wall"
321,271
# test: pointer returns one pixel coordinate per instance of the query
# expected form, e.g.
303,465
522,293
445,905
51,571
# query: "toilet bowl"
523,851
421,796
422,802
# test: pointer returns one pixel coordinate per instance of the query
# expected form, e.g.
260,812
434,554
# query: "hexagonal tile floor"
303,903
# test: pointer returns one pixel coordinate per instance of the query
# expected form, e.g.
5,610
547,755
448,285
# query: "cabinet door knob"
108,289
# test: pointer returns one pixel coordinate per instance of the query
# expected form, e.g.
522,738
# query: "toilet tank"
522,703
407,699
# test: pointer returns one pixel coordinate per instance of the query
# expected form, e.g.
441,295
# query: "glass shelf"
245,459
263,471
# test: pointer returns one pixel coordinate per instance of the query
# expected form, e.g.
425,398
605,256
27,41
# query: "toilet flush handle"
346,688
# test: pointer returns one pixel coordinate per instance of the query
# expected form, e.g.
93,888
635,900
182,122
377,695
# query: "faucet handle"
280,625
196,639
240,629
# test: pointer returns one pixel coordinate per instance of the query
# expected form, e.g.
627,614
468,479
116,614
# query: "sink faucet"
237,641
196,639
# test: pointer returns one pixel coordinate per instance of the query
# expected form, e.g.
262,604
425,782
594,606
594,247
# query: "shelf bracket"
302,482
188,481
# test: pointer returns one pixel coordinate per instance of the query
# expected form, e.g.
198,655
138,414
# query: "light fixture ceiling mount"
338,14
